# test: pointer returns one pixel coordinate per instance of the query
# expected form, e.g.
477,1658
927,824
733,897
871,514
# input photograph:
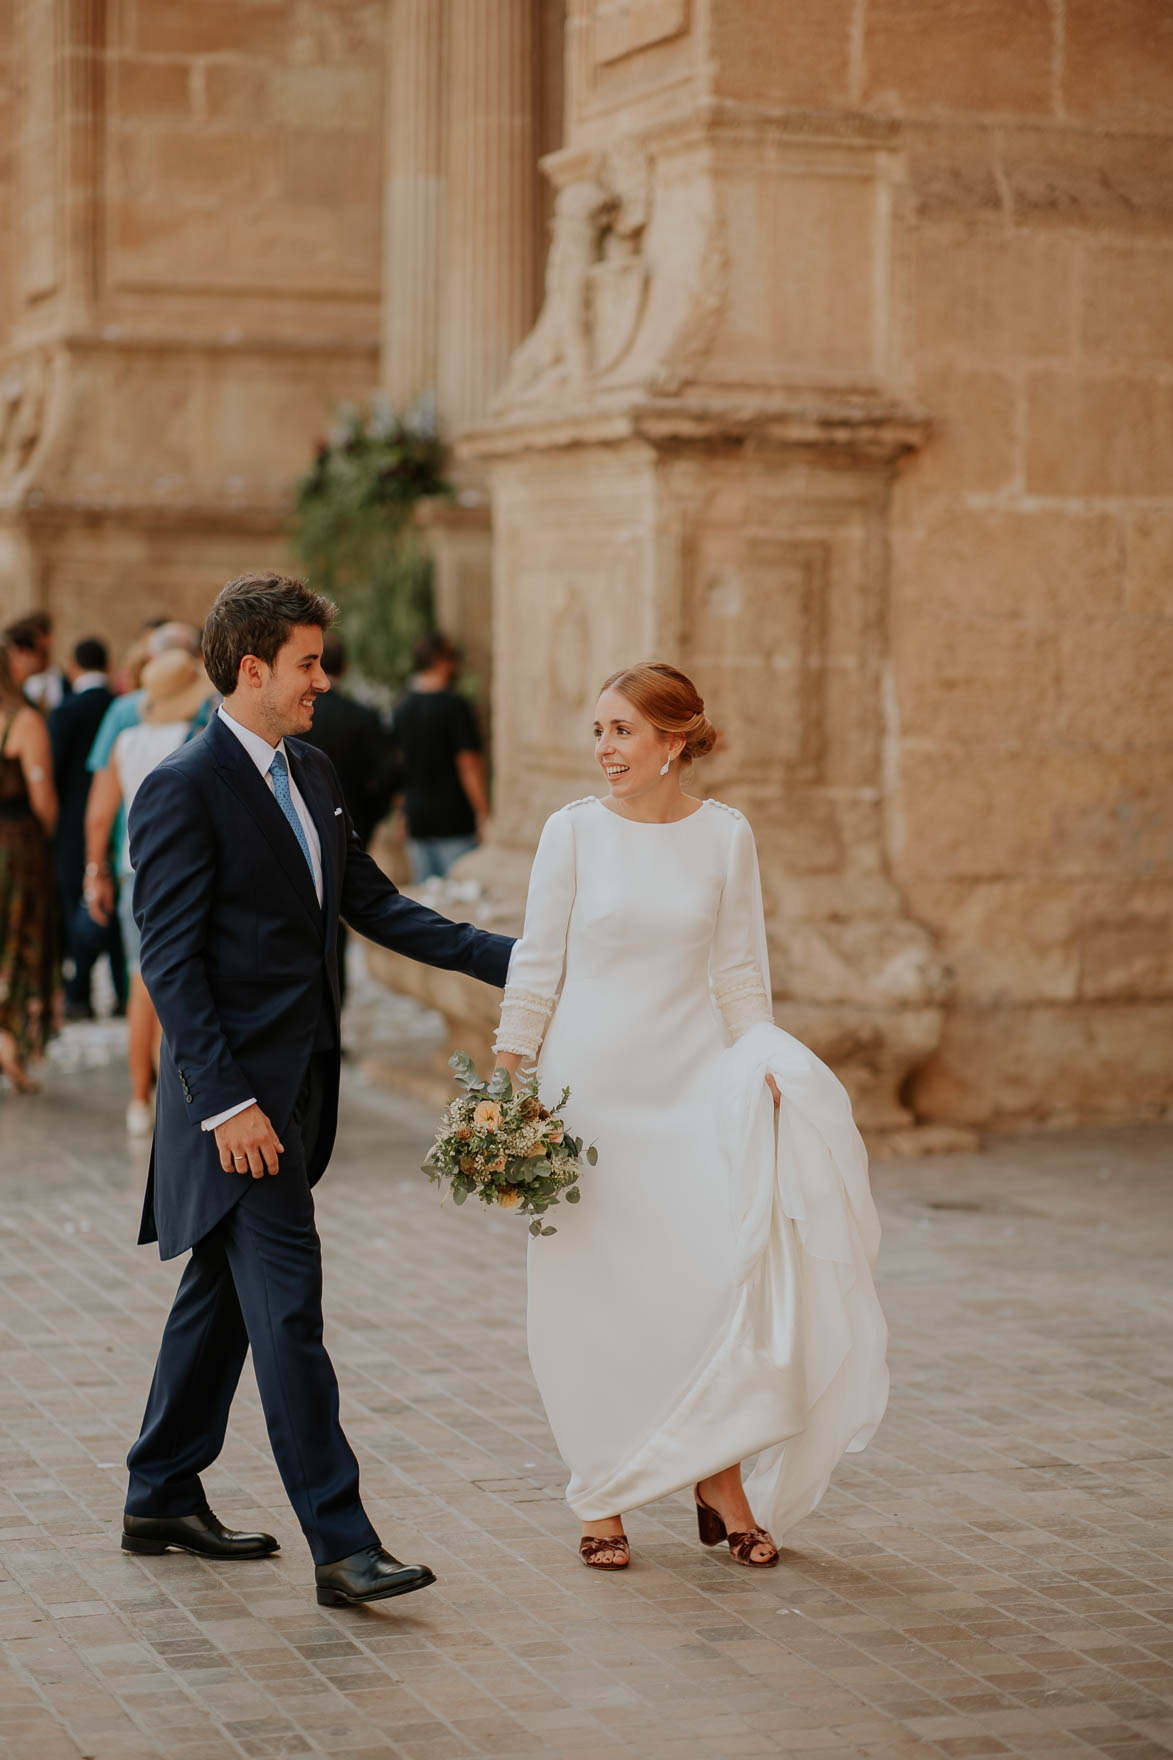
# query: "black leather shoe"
369,1575
201,1534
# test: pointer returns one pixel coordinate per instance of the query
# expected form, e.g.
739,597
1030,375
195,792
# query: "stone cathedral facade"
824,349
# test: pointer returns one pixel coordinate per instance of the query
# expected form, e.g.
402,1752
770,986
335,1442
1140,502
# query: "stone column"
413,198
491,256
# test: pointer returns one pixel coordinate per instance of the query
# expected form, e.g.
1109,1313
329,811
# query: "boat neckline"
652,824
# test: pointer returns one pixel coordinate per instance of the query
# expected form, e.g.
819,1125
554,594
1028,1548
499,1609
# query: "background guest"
172,708
72,729
49,686
157,638
359,747
29,964
440,749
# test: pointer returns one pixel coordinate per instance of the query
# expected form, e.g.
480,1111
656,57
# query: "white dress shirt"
262,753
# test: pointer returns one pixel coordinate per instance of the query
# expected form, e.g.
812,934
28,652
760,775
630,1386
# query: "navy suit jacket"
240,959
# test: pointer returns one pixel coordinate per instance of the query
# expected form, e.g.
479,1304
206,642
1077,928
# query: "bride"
710,1300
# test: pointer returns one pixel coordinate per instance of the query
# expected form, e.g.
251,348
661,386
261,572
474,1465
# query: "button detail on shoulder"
725,808
584,800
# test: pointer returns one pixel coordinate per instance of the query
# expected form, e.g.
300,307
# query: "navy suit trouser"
255,1279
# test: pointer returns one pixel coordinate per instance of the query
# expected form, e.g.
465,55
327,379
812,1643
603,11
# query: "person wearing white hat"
175,689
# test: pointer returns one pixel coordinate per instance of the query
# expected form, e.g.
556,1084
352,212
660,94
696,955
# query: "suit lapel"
256,797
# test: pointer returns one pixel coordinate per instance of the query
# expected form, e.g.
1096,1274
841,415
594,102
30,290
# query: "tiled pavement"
994,1576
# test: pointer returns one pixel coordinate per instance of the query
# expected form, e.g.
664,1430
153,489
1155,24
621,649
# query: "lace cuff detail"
523,1023
742,1000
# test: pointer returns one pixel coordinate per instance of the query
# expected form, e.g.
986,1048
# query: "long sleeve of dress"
536,967
738,972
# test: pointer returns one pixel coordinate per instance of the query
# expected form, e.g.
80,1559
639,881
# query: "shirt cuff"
209,1124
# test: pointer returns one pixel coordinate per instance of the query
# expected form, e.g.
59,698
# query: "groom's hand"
248,1144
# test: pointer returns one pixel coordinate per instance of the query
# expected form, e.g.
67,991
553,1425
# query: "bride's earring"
665,766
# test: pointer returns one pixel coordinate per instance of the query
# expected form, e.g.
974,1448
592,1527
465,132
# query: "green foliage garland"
353,530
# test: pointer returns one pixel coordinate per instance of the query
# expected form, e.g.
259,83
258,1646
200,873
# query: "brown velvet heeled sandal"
591,1545
713,1531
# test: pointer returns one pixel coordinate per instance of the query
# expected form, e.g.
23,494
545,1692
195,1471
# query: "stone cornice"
36,508
725,119
880,431
114,339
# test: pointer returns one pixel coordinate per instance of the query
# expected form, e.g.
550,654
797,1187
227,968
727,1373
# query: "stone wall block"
964,681
1118,687
971,813
152,88
972,445
872,1051
241,91
920,55
878,963
1127,308
1011,565
777,53
1118,64
1111,436
992,298
214,27
951,173
1075,1063
1056,177
1129,955
1149,563
1009,941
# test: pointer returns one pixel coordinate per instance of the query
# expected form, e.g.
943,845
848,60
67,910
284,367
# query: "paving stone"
994,1576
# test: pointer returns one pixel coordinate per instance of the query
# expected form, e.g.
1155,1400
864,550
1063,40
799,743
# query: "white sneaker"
140,1118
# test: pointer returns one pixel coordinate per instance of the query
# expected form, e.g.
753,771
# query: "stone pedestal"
693,459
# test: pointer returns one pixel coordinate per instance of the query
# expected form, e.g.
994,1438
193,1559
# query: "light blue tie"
279,771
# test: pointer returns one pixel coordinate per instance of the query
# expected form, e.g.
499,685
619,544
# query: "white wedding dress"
710,1299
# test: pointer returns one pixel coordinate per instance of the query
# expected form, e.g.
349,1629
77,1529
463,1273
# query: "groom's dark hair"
254,615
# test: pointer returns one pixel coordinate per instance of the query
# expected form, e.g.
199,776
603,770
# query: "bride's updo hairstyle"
670,701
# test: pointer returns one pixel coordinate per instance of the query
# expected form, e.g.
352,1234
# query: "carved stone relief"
622,27
24,397
596,279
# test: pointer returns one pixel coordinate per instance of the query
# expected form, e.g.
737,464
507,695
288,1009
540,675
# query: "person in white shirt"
175,688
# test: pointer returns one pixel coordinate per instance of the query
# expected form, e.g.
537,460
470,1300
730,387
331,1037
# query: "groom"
244,860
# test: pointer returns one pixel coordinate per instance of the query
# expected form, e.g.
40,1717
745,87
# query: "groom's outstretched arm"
171,851
375,908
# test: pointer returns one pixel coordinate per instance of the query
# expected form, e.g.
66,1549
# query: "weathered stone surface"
978,813
960,679
1118,686
1049,1064
1118,182
978,295
925,55
1125,304
1149,553
975,442
1012,565
1093,436
1118,64
1051,939
774,52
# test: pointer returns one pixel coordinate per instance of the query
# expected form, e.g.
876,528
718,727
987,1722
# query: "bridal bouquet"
499,1142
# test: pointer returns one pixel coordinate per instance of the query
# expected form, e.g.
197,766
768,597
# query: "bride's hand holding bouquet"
498,1142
